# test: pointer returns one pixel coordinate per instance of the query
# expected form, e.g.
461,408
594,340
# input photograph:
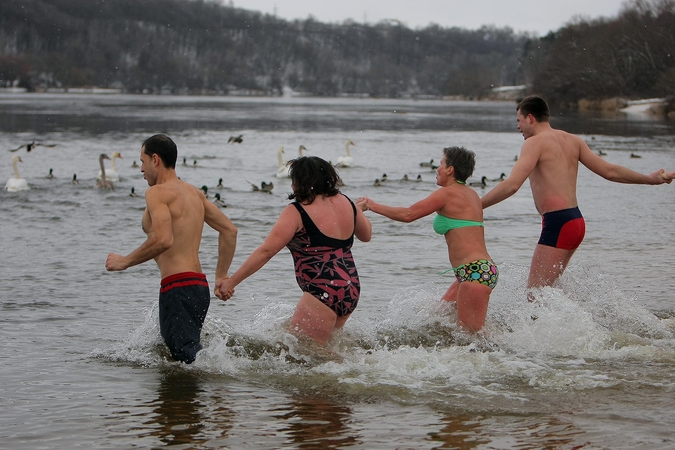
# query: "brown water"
84,366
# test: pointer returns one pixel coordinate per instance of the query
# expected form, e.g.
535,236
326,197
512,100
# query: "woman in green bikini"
460,219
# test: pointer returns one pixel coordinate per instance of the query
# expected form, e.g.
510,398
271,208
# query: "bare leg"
548,264
451,294
472,303
314,319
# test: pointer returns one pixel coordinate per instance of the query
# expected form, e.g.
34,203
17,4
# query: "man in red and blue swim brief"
563,229
550,159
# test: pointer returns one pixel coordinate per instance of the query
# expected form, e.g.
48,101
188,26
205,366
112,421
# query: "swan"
17,183
111,174
103,182
346,161
301,149
219,202
283,170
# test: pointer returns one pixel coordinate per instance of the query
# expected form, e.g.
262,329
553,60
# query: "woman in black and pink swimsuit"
318,228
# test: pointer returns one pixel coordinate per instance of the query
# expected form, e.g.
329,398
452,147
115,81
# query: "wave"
583,334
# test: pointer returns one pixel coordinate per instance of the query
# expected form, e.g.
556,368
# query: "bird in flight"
30,146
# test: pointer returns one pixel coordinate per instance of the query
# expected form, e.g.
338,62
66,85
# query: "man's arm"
617,173
227,236
160,235
527,161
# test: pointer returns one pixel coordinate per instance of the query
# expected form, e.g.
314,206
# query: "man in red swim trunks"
173,220
550,159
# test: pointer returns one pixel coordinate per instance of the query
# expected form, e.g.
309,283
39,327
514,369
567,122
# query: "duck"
220,183
481,183
267,187
75,180
50,175
346,161
31,146
427,164
185,161
205,189
236,139
633,155
601,153
405,178
134,164
419,178
501,177
384,177
103,182
377,182
219,202
16,183
133,192
111,174
283,170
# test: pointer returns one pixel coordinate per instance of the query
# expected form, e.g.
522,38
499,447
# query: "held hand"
115,262
667,176
224,289
363,203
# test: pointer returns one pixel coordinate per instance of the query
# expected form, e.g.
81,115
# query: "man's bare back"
186,208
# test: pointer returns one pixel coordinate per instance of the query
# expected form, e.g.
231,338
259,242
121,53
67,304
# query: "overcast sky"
539,16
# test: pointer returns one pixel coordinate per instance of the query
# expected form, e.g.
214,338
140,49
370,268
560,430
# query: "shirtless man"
550,159
173,220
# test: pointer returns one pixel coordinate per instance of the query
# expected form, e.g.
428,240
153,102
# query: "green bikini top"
444,224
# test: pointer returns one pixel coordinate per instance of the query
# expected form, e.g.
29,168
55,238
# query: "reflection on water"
318,423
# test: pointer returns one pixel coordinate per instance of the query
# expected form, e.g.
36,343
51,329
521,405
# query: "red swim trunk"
563,229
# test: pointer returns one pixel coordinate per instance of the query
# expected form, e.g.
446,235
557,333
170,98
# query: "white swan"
17,183
346,161
284,170
103,182
111,174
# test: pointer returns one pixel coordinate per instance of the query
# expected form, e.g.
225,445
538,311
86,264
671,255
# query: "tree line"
205,47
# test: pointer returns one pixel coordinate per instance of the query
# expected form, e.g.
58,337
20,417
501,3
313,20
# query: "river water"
83,365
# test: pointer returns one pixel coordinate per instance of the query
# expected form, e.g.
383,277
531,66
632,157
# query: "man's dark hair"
311,177
463,160
536,106
164,147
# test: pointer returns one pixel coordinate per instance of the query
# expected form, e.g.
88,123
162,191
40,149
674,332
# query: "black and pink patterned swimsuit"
324,266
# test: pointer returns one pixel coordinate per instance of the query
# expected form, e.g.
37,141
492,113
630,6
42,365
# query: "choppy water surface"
83,364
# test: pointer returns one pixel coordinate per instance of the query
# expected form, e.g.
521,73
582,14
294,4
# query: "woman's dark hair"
311,177
164,147
462,160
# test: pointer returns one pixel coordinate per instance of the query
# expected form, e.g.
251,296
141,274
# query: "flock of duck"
107,177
